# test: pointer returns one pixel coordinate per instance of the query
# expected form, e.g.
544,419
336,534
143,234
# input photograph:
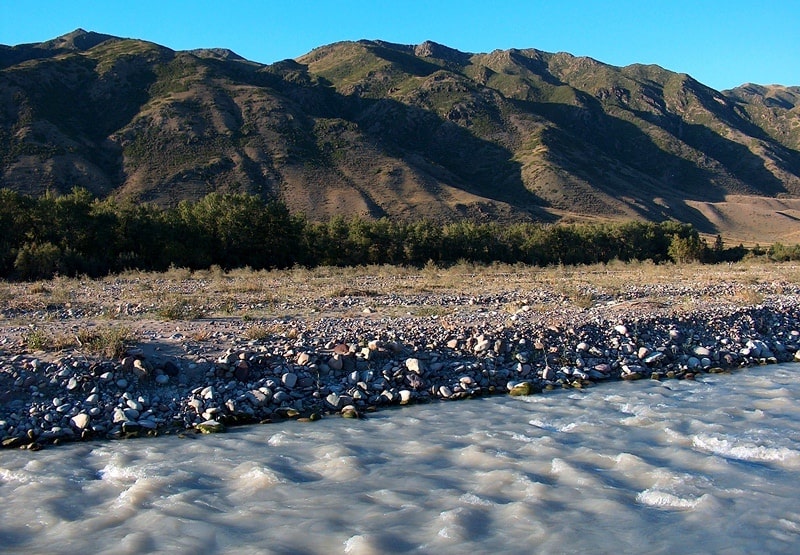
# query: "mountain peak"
217,54
430,49
79,40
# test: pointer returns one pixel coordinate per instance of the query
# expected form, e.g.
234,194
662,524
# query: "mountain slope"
379,129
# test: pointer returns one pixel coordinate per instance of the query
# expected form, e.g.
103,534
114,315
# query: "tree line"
76,234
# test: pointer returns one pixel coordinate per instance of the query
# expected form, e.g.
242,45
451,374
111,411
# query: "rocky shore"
353,354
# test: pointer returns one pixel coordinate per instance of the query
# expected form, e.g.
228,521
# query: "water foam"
743,450
666,500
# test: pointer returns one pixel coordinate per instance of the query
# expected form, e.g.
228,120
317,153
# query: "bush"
38,261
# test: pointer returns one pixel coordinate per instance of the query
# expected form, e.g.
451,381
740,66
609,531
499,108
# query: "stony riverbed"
206,374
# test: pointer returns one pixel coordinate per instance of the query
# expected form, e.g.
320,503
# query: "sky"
722,44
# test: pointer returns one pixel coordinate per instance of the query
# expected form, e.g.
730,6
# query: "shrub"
38,261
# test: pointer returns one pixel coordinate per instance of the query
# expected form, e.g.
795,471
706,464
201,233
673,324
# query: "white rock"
80,421
334,400
119,416
139,368
482,345
414,365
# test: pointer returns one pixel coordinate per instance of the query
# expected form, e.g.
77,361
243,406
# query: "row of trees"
76,234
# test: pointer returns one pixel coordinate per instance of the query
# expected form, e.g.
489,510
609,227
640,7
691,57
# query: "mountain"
378,129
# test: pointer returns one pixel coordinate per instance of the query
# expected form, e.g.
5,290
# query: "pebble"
350,366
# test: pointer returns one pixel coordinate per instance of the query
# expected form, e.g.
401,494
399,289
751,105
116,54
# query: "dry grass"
257,332
183,295
109,342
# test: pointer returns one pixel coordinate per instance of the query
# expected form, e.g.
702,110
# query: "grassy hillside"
375,129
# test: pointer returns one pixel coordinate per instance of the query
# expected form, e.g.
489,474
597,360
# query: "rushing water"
710,466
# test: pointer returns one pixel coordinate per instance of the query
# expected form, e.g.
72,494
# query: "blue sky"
721,43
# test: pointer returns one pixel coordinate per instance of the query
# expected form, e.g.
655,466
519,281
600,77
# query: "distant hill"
407,131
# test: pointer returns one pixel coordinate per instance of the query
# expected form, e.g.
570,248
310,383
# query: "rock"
208,393
119,416
519,389
289,379
653,358
242,371
130,427
303,359
171,369
482,345
414,365
621,329
335,363
334,400
405,396
162,379
211,427
281,397
131,414
13,442
80,421
140,370
349,411
701,352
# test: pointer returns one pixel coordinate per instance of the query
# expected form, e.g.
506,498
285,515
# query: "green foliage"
38,260
75,234
783,253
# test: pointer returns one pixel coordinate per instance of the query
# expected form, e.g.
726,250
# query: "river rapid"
705,466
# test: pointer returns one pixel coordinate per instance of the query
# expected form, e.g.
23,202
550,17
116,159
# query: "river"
706,466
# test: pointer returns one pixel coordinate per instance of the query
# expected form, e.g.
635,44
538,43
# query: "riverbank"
148,354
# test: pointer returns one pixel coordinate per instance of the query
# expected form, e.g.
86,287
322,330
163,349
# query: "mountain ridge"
375,129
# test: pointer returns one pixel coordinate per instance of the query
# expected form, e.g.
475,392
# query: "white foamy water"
711,466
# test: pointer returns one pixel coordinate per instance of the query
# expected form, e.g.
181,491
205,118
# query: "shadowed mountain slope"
378,129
